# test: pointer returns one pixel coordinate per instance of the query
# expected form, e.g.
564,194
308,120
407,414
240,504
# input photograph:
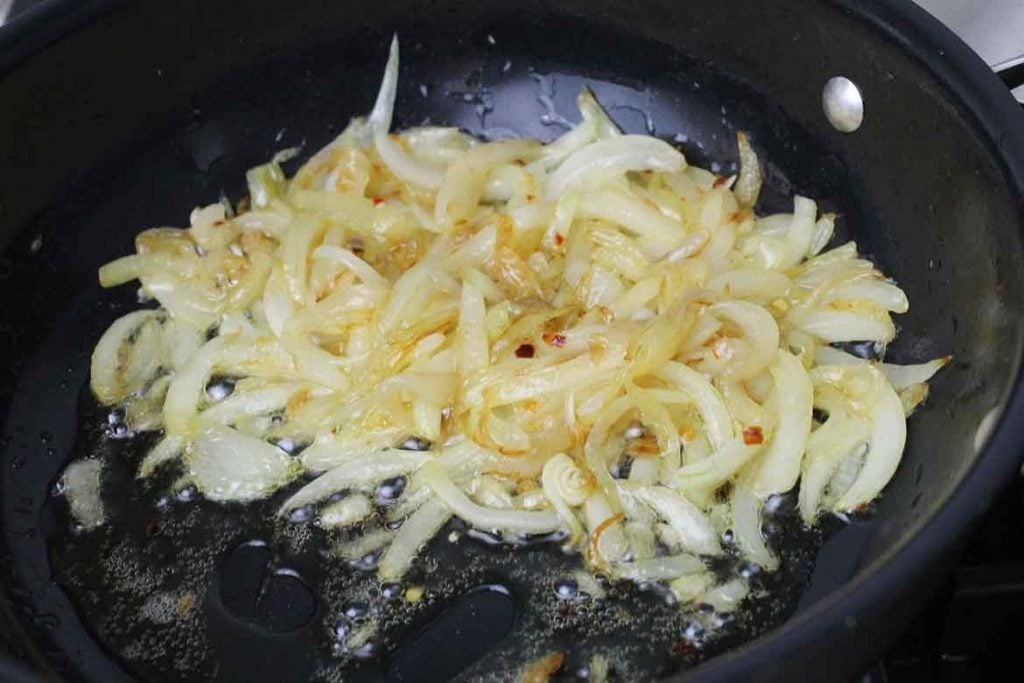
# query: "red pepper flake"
753,435
379,201
557,340
559,240
218,223
719,181
525,351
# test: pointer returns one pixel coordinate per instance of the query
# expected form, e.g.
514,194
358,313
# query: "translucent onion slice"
708,474
363,472
727,596
827,447
717,420
801,231
401,163
345,512
414,533
126,357
601,160
361,268
370,542
528,521
250,403
746,526
759,329
888,437
167,449
690,587
792,402
659,233
831,325
899,376
226,465
474,351
81,486
748,185
606,540
566,487
182,404
695,532
464,181
659,568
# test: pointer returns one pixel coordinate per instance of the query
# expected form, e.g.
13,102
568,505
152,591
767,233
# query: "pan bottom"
178,588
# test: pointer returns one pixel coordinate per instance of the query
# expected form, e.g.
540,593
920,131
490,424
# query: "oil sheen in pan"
178,588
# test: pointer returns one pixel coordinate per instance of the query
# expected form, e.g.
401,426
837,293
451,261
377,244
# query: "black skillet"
115,116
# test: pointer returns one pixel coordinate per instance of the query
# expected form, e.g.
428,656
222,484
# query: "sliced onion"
369,542
727,596
361,268
402,164
708,474
689,587
792,401
899,376
345,512
182,404
659,568
823,231
127,356
879,292
528,521
474,352
695,532
464,181
565,487
660,234
81,485
888,437
611,157
250,403
755,284
414,533
748,185
759,328
746,526
607,541
801,231
167,449
363,471
227,465
843,326
827,447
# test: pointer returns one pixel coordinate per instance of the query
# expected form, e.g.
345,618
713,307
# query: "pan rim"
997,117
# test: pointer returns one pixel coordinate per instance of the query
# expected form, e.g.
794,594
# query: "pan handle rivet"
844,106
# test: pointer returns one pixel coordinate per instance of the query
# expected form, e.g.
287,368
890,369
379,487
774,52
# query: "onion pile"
588,337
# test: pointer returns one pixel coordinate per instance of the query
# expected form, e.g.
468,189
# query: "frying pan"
115,116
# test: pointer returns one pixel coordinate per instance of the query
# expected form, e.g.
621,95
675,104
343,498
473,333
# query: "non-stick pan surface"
144,110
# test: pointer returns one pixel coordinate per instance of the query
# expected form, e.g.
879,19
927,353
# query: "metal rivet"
843,104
